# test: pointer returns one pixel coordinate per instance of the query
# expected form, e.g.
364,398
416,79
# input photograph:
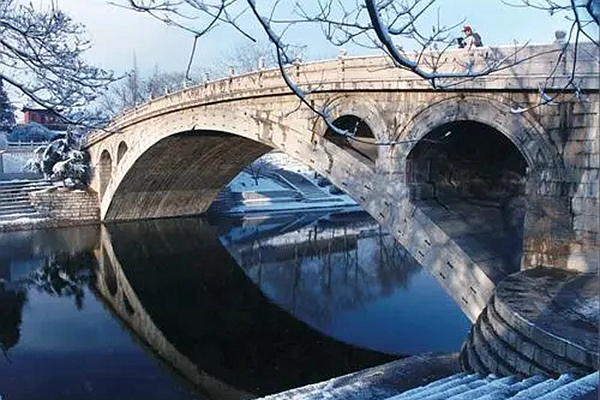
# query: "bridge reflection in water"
178,290
347,277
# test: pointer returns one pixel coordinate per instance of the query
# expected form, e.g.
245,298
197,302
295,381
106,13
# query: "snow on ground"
588,309
265,206
253,180
21,220
14,162
20,181
245,182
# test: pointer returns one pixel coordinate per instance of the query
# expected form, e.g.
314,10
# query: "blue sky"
117,33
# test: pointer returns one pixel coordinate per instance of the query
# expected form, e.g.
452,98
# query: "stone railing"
514,68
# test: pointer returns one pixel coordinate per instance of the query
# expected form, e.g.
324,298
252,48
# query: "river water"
211,309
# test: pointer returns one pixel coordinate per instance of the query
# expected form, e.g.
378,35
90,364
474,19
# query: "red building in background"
43,117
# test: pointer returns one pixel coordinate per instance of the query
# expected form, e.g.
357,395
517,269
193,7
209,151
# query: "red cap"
467,28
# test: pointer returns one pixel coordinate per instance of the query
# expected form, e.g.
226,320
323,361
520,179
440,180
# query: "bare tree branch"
41,56
387,25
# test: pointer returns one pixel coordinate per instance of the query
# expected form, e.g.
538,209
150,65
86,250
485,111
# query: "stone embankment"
39,204
407,379
542,321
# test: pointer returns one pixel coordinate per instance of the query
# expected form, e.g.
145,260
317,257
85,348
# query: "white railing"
31,143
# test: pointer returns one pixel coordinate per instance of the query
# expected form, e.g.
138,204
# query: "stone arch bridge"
466,177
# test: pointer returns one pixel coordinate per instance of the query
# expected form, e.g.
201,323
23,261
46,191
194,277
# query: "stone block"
549,343
522,366
586,223
526,348
64,204
581,356
536,371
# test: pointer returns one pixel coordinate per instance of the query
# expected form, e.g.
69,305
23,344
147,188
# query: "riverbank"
25,224
437,377
40,204
379,382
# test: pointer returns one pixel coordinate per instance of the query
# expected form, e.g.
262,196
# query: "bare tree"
391,26
41,57
161,83
134,90
249,57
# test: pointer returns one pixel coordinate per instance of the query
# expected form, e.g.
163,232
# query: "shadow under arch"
526,134
181,175
201,314
472,180
469,159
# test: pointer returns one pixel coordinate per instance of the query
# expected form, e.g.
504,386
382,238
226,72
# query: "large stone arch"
181,174
241,134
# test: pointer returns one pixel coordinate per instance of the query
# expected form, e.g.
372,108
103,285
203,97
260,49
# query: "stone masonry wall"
562,222
67,206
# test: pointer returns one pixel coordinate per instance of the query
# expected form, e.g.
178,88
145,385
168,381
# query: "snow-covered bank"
277,183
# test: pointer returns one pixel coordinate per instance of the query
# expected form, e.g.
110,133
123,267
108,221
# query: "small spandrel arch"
121,151
359,138
105,171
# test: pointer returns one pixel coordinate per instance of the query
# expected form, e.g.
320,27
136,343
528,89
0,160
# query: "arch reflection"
182,294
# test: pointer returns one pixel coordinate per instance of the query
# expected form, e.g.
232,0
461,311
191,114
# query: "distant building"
47,118
17,147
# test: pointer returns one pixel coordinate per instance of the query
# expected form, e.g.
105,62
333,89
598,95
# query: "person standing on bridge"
471,39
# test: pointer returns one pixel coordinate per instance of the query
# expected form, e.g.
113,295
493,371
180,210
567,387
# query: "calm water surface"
195,308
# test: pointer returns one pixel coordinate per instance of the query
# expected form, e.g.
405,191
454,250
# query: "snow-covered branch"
41,56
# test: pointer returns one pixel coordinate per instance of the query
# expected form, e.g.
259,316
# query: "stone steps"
20,215
491,387
304,186
16,185
15,202
493,346
25,208
460,386
578,358
7,198
15,206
